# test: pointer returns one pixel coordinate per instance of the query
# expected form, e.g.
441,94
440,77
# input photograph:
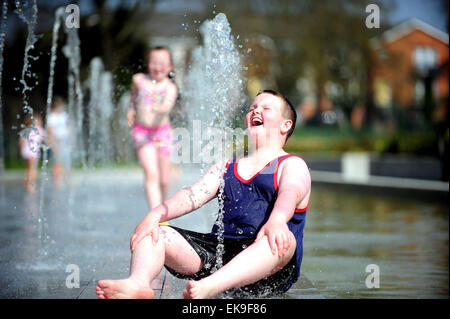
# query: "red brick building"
402,57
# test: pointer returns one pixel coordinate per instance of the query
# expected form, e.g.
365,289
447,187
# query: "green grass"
336,141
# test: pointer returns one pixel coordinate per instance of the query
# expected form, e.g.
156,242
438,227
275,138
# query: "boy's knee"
292,239
144,242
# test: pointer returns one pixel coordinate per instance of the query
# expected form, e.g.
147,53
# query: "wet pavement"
85,228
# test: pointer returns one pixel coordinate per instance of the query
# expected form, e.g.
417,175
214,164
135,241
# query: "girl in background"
58,134
30,141
153,96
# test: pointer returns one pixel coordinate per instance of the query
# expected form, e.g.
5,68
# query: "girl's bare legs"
147,261
148,157
31,174
164,174
57,174
249,266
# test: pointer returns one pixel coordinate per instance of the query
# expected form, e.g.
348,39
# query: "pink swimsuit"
160,136
148,97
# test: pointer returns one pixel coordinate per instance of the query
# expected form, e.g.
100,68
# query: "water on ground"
89,222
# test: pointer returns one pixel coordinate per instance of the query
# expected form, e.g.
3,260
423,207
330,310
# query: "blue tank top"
249,203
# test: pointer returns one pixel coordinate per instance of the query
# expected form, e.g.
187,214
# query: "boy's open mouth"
257,121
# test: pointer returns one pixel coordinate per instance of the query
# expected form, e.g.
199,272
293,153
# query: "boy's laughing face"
264,117
264,113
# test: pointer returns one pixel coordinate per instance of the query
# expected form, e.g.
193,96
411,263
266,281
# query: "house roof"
407,27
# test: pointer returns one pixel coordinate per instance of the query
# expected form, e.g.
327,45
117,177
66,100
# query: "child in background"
58,134
30,141
266,196
153,96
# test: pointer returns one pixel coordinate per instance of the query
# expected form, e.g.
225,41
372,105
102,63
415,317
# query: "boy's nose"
256,111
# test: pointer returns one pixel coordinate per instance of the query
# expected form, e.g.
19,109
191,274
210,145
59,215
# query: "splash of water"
214,84
30,19
71,51
2,45
59,13
100,113
29,16
214,95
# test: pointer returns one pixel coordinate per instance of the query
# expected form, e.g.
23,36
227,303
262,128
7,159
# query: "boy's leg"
146,263
252,264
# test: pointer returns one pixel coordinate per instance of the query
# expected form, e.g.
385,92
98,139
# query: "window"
425,58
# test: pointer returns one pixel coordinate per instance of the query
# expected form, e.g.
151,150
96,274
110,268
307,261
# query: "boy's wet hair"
288,109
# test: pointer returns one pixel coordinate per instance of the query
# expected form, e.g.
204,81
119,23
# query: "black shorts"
206,245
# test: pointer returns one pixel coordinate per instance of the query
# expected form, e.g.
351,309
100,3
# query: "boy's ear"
286,126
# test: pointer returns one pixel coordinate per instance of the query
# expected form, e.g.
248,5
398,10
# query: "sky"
428,11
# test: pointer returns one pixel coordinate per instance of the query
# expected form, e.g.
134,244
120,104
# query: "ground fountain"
214,97
100,113
3,29
71,50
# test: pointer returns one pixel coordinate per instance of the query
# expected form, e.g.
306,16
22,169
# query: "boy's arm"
192,197
169,100
294,186
182,202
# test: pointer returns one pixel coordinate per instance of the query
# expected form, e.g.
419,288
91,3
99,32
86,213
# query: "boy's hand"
148,227
277,233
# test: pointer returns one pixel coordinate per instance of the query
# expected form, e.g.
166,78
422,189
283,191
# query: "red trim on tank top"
275,181
236,174
226,167
302,210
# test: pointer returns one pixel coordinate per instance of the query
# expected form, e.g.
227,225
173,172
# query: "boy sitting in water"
265,200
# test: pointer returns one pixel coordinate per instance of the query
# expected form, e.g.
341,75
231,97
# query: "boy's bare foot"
197,290
123,289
